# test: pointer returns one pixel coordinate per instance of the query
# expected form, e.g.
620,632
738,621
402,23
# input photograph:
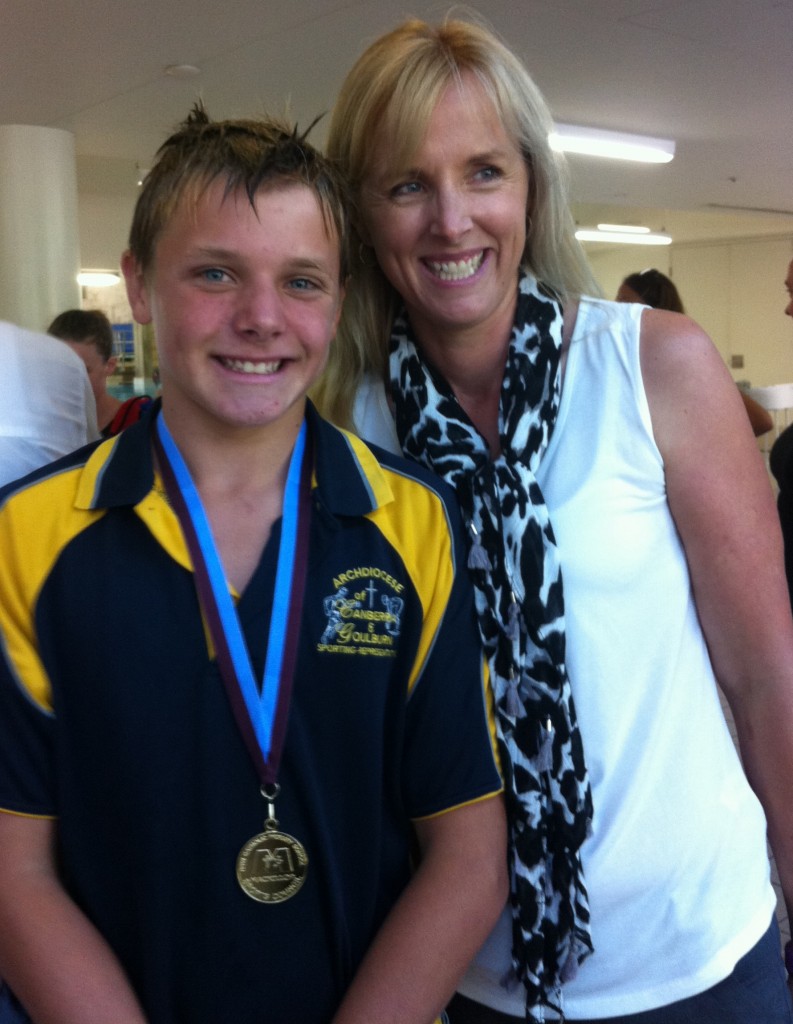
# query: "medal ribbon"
261,716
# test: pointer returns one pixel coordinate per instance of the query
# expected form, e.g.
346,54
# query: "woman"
781,465
652,288
565,424
657,290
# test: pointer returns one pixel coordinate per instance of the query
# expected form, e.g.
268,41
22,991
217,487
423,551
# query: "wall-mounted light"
568,138
630,237
97,278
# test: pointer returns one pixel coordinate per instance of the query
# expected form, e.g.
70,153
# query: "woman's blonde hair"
391,93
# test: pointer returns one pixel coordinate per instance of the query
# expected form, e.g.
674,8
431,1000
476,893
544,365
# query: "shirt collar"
120,471
348,479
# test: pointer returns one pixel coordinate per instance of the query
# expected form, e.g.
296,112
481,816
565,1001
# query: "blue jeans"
755,993
10,1010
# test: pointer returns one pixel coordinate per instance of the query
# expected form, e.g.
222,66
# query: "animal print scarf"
514,563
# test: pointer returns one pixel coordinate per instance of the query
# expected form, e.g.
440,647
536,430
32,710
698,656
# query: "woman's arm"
723,506
440,921
54,960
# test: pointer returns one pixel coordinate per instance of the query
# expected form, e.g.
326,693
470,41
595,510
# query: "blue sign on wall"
124,338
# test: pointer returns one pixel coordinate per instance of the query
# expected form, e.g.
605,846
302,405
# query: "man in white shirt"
47,408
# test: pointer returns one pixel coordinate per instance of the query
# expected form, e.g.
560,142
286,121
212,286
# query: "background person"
781,463
89,333
158,808
574,432
47,408
653,289
657,290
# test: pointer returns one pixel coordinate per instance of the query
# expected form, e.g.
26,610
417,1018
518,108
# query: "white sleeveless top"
676,868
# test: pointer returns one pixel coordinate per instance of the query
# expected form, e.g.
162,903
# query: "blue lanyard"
233,657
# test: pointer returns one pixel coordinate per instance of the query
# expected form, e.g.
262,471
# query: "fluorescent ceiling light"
633,229
568,138
626,237
97,278
181,71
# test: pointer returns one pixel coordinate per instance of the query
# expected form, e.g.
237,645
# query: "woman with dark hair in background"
655,289
781,462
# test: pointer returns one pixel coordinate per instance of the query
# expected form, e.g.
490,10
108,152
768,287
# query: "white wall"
734,289
104,228
104,222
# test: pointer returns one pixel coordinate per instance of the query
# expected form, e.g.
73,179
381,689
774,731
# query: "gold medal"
271,867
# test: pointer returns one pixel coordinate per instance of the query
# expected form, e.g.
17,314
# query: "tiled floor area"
781,911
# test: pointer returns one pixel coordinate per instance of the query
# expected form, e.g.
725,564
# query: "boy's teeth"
247,366
457,270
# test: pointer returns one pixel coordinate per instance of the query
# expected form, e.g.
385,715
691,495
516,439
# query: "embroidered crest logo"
363,615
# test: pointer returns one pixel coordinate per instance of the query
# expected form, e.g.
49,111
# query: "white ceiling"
715,75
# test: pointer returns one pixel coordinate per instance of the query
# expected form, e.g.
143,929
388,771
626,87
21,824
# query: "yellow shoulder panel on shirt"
36,523
376,475
90,474
417,526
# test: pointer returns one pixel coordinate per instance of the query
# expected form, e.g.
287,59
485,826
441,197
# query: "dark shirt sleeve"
26,722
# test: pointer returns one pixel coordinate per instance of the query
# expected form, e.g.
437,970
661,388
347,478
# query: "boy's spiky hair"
248,156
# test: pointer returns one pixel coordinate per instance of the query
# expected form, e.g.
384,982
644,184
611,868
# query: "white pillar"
39,239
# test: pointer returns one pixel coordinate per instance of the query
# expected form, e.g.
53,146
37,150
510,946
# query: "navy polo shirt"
114,720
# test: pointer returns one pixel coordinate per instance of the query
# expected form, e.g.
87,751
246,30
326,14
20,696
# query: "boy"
177,844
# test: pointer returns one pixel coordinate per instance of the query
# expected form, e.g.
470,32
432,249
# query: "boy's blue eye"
302,283
214,274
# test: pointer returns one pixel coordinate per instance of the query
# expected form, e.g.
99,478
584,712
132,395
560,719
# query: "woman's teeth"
457,270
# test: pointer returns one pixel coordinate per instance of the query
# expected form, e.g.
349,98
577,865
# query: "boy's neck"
240,476
247,458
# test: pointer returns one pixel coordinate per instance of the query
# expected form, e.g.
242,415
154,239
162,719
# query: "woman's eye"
406,188
488,174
